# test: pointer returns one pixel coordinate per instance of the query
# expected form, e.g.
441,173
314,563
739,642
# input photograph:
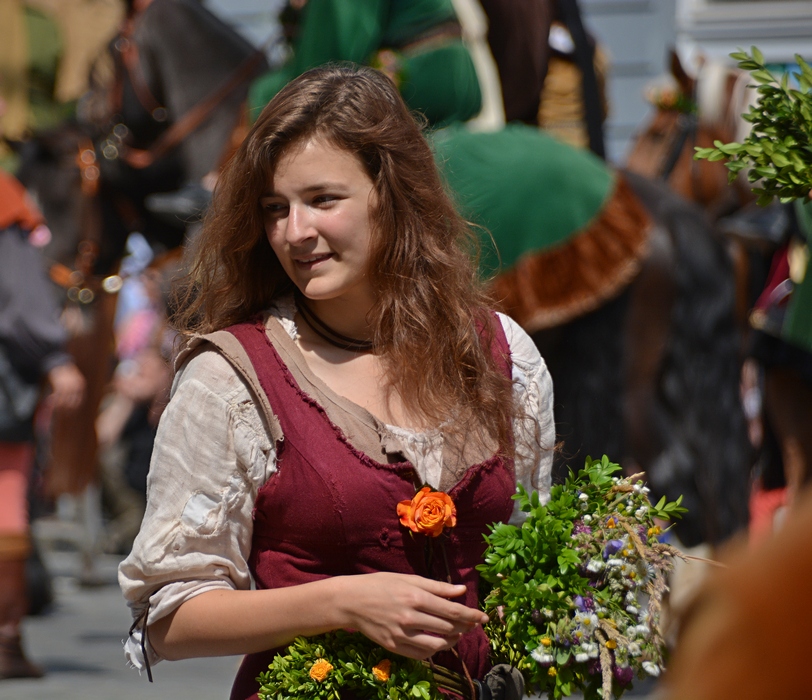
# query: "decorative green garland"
778,151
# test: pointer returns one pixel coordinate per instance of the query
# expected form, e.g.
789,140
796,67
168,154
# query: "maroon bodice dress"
330,510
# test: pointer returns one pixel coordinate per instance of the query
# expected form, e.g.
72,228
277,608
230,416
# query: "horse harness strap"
191,120
180,129
687,127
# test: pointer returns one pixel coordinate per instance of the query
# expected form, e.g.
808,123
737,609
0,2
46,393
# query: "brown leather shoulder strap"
230,348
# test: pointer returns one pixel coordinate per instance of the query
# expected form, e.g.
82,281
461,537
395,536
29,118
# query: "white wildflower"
541,655
583,497
592,650
587,518
594,566
651,668
581,658
634,649
590,621
631,610
614,562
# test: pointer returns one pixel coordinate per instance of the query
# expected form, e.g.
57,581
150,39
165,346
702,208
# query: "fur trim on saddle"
545,289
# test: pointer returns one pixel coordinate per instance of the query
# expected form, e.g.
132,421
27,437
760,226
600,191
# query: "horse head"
177,77
694,112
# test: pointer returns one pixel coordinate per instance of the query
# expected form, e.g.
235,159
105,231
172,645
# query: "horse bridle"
686,129
115,145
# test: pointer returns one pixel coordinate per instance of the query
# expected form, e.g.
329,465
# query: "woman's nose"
299,226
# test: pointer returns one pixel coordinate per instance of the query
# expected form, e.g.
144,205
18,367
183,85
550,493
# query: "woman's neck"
348,318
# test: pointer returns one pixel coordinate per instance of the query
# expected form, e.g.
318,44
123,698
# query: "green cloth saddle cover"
527,190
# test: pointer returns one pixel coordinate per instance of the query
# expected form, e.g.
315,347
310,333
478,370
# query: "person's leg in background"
16,459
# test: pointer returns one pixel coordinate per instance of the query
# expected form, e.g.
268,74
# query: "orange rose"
320,670
382,670
428,512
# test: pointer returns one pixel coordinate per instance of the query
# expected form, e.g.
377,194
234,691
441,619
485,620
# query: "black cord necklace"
321,329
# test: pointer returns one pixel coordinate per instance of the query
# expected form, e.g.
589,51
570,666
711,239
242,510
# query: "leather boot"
13,663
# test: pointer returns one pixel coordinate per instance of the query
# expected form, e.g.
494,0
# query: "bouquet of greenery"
575,602
323,667
578,587
778,151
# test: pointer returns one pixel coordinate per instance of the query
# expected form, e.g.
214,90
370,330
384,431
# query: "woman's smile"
312,261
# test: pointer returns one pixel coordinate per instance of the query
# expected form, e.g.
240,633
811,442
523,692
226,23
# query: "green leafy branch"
778,150
352,660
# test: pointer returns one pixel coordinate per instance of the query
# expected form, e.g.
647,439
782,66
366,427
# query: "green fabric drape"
562,188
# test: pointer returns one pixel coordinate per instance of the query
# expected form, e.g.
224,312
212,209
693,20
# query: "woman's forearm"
225,622
407,614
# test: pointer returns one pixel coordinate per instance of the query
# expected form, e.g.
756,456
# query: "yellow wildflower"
611,524
320,670
653,531
546,641
552,672
382,670
611,644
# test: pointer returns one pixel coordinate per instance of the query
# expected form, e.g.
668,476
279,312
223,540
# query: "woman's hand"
409,615
67,385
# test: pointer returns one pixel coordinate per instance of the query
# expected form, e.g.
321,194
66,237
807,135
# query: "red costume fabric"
332,510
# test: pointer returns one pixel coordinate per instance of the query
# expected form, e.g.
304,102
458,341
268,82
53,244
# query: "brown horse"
697,113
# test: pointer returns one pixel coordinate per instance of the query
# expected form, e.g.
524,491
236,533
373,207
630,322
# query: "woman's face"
316,214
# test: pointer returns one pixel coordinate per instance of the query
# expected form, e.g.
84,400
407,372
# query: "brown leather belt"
436,36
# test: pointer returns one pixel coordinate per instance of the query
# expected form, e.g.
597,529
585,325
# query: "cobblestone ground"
78,643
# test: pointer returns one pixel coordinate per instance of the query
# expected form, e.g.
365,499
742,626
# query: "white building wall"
637,35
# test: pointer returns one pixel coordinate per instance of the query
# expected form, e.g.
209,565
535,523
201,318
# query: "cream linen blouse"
213,453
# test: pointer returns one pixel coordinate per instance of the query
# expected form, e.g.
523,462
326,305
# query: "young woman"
342,357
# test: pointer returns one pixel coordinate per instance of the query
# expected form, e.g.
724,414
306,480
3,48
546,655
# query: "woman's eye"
273,208
324,199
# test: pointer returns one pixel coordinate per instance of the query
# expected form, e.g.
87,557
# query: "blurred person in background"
418,44
32,344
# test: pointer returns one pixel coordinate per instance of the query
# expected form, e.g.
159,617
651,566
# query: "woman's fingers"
410,615
421,646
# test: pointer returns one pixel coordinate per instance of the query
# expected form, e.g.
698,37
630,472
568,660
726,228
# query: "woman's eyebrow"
326,185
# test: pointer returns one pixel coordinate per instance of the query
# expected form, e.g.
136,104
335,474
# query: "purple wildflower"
581,528
623,675
612,547
584,604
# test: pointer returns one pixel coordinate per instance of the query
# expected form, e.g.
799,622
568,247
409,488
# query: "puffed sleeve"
211,455
534,426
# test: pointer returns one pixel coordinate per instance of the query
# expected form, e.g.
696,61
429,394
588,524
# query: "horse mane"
723,94
708,459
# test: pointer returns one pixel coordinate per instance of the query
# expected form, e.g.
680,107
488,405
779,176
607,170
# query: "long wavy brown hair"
430,320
